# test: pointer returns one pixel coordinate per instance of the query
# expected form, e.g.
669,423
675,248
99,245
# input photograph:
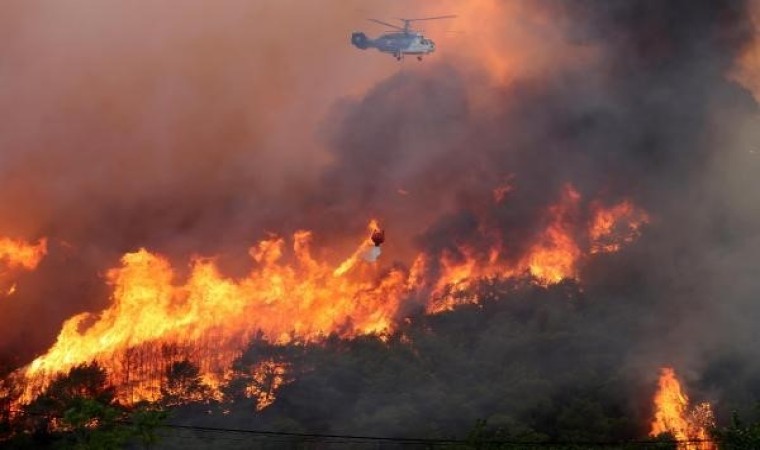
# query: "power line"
424,440
401,440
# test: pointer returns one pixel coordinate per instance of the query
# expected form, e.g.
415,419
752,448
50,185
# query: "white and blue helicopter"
403,41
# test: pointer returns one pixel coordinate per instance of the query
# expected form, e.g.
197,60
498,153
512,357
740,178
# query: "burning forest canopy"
225,210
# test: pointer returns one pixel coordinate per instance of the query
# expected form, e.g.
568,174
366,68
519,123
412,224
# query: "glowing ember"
266,378
673,415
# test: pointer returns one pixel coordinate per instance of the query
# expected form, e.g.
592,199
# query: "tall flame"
555,256
674,415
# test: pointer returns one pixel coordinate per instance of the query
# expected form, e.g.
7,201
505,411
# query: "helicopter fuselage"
397,44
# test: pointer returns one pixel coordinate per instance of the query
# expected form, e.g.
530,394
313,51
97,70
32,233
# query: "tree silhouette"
183,384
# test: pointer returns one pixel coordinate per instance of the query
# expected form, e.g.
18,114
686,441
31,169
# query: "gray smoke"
654,118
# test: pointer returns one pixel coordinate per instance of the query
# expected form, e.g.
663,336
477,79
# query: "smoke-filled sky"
199,127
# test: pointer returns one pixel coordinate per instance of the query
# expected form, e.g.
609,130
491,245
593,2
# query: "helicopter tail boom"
360,40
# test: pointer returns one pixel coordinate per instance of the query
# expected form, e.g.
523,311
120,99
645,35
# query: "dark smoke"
655,118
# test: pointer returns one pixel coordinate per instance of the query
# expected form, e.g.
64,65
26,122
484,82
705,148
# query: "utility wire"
401,440
427,440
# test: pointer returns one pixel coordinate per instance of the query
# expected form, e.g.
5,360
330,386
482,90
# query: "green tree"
738,435
78,410
86,381
145,420
93,425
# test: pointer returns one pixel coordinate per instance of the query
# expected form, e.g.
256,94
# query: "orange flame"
17,255
552,258
555,256
304,301
673,415
620,224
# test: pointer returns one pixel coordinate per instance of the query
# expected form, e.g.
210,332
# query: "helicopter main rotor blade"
450,16
386,24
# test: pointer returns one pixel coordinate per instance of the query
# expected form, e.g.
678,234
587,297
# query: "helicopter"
403,41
